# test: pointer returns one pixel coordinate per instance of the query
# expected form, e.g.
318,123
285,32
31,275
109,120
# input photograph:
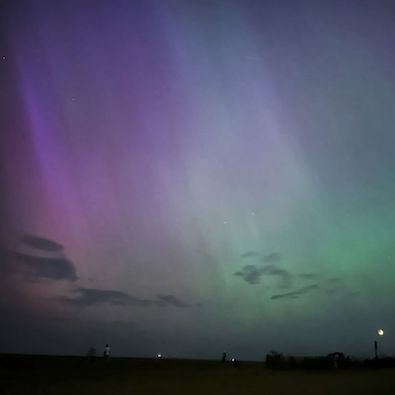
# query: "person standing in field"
107,352
92,355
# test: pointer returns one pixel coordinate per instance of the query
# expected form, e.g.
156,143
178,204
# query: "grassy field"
73,375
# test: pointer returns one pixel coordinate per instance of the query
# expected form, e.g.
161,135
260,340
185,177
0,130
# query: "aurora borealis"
188,177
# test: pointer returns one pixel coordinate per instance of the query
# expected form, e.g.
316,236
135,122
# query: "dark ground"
74,375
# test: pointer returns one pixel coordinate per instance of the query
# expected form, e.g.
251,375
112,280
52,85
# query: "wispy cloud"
39,258
295,294
251,254
85,297
171,300
269,258
285,276
91,296
272,258
57,268
41,243
252,275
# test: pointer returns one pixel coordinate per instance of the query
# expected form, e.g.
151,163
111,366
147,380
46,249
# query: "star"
4,57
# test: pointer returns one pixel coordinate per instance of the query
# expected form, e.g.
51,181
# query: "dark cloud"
91,296
251,274
41,243
57,268
172,300
38,258
251,254
272,258
295,294
86,297
309,276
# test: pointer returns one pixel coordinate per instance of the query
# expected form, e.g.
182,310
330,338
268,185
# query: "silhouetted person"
92,355
223,359
107,352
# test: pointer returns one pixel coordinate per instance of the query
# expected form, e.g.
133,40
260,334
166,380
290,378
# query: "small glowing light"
73,99
225,222
159,355
4,58
380,332
233,359
252,213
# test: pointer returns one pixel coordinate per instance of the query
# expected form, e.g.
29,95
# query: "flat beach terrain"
74,375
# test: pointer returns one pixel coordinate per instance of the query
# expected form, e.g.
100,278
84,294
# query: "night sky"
186,177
